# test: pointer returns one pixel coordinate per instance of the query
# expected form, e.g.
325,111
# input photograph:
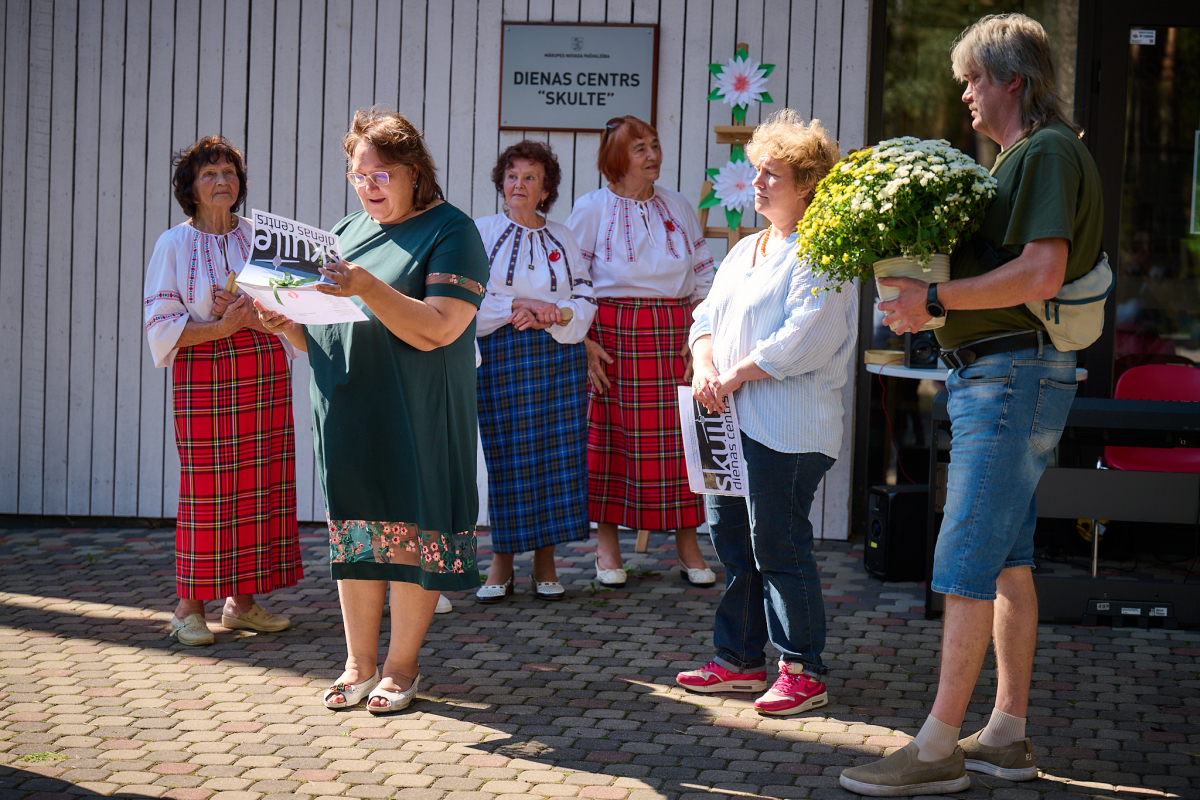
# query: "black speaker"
895,544
921,350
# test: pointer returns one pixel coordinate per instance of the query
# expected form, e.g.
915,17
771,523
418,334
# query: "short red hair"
619,134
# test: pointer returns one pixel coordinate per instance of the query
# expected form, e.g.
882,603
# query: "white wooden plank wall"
97,95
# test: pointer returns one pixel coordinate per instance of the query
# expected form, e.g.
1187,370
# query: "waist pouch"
1074,318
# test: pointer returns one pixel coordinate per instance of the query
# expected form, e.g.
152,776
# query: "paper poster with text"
282,274
284,245
712,447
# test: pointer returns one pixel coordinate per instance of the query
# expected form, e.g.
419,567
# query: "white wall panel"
37,214
82,232
97,95
12,270
132,353
105,259
61,161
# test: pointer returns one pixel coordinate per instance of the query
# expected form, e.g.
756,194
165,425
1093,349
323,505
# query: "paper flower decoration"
741,82
734,185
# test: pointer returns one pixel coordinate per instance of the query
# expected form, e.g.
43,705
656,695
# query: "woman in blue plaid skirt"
533,377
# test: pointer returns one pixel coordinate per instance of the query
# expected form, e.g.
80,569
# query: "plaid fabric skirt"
533,425
637,476
236,529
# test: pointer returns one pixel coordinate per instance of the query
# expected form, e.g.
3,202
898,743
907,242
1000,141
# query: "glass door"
1145,117
1157,300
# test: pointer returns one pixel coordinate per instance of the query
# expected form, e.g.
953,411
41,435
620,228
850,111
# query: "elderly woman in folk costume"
533,379
650,266
235,534
779,339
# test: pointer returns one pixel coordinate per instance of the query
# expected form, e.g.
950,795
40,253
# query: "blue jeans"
765,541
1007,413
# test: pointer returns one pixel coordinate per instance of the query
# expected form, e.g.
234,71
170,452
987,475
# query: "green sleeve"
457,266
1043,205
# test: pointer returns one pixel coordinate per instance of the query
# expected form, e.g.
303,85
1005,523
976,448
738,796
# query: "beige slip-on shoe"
902,774
257,619
191,630
1012,762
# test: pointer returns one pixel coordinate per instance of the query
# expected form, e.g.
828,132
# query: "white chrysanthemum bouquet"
903,197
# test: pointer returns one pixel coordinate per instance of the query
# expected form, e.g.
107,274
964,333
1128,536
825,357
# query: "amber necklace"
763,241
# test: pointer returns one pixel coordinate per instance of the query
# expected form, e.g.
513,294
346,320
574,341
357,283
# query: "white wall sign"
576,77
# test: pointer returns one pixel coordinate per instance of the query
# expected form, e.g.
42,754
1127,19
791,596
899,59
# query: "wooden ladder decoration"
726,134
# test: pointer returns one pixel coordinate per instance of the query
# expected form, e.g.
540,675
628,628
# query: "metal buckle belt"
972,351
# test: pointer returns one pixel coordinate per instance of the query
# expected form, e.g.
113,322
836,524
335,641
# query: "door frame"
1101,85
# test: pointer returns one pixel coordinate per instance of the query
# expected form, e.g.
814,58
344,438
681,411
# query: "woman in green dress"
394,414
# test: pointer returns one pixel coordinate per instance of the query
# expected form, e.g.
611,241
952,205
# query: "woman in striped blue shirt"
780,340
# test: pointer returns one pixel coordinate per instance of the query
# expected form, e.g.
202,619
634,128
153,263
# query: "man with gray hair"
1010,392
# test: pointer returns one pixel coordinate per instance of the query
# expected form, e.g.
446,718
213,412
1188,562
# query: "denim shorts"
1007,413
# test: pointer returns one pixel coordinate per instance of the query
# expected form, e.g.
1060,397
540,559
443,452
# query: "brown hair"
188,162
619,133
805,147
538,153
1006,45
396,141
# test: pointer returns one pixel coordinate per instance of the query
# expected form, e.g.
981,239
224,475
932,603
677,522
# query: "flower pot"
937,270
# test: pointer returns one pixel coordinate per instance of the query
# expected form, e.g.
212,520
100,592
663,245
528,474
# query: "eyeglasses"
378,178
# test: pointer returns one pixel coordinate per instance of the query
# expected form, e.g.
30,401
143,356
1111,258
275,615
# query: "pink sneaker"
793,693
712,677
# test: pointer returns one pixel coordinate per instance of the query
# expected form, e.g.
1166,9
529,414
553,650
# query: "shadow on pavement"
18,784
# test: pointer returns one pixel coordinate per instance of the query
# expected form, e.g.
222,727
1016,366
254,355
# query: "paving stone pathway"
526,699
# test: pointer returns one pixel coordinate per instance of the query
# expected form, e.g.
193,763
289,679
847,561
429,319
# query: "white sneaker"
443,606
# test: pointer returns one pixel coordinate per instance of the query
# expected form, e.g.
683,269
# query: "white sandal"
352,693
397,701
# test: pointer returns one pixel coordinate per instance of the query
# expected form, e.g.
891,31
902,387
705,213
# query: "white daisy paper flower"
742,82
734,185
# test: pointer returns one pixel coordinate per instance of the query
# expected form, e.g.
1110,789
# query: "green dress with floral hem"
394,427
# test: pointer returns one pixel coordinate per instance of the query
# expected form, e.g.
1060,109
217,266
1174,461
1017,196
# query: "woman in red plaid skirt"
650,267
235,535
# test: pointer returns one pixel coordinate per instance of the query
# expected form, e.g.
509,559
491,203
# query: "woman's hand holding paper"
348,279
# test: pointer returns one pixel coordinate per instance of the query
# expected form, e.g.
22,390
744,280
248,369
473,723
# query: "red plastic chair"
1157,382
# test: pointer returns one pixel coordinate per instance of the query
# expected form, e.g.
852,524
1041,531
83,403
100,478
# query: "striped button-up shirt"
764,307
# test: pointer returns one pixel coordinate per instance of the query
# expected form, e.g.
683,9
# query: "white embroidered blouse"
636,248
186,268
535,264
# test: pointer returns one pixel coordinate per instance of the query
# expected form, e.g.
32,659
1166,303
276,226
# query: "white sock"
936,740
1002,729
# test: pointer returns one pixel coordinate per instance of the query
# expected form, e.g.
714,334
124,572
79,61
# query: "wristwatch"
932,306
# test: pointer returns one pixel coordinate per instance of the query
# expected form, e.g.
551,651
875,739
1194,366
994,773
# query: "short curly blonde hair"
806,147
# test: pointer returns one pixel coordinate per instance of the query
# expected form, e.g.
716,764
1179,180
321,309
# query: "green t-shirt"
395,426
1048,187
